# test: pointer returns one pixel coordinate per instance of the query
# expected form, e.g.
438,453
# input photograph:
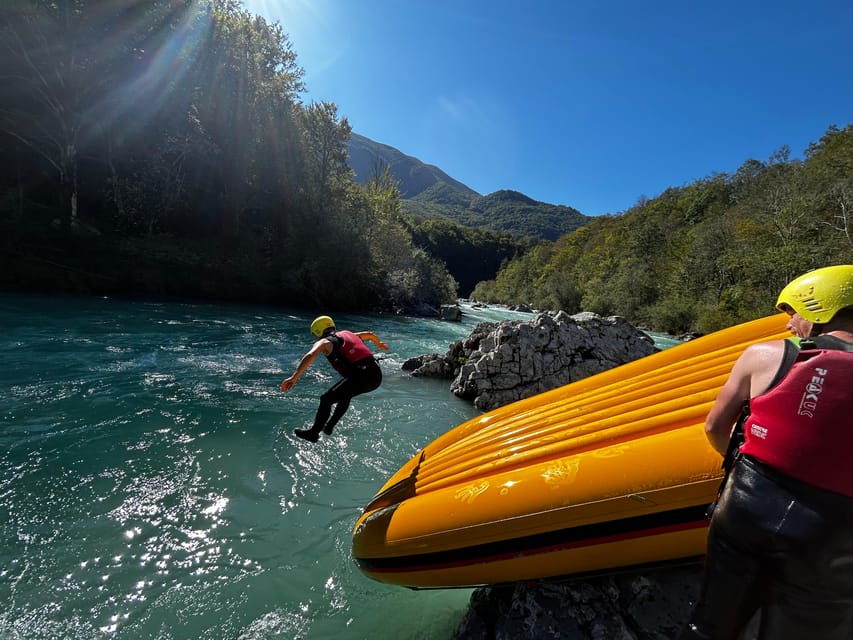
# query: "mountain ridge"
413,175
428,192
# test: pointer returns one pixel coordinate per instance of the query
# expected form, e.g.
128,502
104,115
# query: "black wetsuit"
781,546
359,377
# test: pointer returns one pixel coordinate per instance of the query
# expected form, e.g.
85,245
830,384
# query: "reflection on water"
151,487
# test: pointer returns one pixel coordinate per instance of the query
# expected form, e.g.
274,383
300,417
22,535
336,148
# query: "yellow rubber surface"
610,471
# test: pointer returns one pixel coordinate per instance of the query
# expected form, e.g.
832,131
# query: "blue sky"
587,103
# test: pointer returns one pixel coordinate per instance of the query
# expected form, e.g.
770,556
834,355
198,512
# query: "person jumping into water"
349,355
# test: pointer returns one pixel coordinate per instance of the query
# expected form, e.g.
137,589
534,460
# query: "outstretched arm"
369,335
321,346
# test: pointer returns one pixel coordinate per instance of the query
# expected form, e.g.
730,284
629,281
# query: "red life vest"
347,350
803,426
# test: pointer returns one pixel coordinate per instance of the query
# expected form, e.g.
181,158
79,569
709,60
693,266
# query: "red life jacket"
803,425
347,349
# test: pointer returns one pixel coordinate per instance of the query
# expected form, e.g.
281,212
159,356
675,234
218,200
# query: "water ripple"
151,485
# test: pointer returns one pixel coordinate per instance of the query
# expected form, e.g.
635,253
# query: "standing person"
781,536
351,358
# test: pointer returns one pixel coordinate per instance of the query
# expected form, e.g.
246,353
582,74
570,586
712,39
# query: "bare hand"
287,385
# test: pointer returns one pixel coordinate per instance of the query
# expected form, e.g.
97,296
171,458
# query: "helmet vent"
813,305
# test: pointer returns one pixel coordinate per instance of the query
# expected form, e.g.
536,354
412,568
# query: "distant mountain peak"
413,176
428,192
508,195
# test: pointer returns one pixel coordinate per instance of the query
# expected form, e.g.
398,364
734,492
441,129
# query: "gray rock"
452,312
499,363
618,607
623,606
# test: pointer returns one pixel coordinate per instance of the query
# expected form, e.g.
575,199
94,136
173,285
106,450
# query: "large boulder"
499,363
447,366
452,312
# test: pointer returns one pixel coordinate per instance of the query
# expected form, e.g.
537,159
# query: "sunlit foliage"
704,256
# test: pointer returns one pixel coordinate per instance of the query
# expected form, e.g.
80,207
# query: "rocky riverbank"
502,362
622,606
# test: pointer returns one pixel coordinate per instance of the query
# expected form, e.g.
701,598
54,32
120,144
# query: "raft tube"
610,472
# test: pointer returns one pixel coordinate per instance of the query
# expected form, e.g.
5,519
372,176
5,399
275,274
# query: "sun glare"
294,16
165,66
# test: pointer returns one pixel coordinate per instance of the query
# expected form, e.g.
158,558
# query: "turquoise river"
151,486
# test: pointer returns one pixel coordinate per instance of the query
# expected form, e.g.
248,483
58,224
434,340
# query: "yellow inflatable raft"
608,472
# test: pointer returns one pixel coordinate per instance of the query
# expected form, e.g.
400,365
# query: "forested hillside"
162,148
703,256
429,193
367,158
503,211
471,255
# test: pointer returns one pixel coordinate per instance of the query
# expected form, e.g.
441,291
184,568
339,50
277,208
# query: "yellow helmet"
818,295
320,325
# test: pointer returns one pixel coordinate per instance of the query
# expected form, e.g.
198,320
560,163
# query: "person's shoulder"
761,353
323,344
766,346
